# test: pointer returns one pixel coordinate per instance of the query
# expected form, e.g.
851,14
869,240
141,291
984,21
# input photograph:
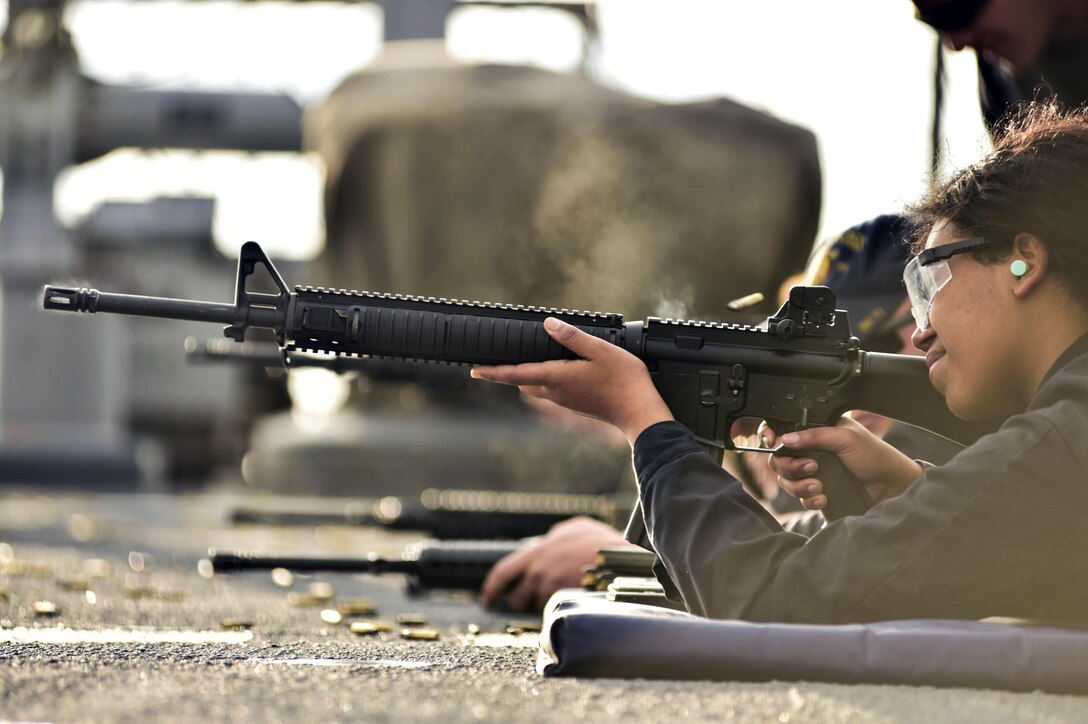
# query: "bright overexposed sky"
856,72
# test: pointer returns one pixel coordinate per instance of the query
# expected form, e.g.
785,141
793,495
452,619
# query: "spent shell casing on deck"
303,600
356,607
420,634
46,608
235,623
364,628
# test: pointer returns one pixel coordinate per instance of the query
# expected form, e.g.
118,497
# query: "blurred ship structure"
71,395
490,182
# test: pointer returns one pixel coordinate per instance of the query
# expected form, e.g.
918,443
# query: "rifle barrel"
92,301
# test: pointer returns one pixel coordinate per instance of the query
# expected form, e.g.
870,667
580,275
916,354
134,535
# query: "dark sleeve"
921,445
964,541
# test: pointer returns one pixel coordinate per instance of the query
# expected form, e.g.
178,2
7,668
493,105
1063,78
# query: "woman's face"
973,357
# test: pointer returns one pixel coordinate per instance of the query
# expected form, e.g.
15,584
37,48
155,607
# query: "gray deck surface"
107,661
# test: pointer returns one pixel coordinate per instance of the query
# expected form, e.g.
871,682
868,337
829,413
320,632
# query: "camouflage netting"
513,184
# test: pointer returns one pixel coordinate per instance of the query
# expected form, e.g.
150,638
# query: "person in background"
1024,47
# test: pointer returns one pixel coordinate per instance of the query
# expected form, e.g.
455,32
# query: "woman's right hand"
884,471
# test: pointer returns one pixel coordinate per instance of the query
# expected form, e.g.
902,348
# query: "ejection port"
689,341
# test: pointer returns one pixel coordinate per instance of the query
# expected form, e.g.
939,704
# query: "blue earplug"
1019,268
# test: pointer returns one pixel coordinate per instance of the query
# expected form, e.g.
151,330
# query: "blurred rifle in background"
451,514
428,565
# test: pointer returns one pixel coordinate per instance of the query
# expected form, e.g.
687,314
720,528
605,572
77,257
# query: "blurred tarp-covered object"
515,184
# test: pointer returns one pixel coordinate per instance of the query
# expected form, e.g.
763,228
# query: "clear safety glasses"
927,273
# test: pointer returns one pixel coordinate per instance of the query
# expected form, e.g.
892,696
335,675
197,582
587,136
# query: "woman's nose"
921,340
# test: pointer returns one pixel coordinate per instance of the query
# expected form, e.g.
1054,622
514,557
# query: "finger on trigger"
766,434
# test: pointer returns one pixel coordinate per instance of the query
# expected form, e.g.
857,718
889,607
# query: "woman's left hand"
607,383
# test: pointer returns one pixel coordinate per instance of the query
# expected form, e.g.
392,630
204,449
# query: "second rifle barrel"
232,562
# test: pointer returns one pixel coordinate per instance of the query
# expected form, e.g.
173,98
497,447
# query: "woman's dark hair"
1034,181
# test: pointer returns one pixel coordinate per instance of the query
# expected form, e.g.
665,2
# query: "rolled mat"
585,635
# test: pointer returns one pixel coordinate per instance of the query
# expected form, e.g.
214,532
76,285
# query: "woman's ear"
1030,250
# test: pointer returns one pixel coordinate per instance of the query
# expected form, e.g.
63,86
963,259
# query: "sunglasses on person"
950,15
927,273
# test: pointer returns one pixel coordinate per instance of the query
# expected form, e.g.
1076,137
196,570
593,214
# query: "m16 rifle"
801,368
